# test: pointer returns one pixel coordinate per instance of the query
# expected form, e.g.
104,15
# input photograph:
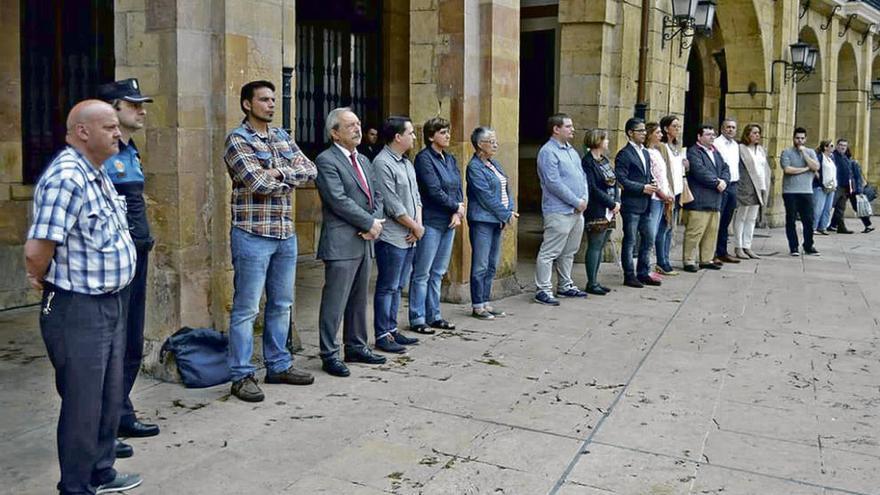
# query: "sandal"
497,313
422,329
442,325
482,314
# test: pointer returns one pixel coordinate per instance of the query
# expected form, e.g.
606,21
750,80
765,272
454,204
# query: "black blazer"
703,178
633,176
602,195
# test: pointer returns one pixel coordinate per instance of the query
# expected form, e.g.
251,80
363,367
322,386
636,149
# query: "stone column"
193,57
464,66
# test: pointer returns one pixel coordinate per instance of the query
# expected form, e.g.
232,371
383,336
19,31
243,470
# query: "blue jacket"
563,183
632,176
439,185
858,180
484,194
703,176
844,169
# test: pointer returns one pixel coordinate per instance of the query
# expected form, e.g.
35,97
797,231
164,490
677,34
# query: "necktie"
360,178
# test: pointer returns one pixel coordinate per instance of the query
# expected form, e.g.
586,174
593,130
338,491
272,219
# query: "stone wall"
464,66
15,198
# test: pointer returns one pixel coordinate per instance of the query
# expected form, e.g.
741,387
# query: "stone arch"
744,43
848,96
809,91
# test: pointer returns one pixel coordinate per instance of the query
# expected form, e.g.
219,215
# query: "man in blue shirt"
564,197
124,169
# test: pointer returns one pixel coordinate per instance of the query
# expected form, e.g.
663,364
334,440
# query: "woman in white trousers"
750,193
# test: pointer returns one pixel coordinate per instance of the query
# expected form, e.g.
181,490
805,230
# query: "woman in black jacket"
603,205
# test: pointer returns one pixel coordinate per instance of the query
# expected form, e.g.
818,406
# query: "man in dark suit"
352,209
708,176
632,166
844,187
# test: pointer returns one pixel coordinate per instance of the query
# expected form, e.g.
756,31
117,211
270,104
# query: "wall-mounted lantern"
803,63
689,17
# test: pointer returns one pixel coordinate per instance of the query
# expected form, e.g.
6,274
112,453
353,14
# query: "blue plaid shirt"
77,207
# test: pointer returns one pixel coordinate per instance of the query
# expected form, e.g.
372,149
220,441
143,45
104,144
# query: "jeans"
663,240
391,262
562,238
85,339
429,265
822,204
261,262
798,204
485,252
595,245
728,206
644,225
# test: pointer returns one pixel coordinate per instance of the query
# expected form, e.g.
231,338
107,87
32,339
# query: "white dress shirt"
729,150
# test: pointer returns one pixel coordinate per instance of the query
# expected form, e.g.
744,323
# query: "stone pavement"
762,378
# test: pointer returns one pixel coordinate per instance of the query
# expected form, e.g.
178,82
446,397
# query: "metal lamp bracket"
824,27
846,26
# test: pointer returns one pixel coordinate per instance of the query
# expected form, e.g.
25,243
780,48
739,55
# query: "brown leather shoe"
727,259
291,376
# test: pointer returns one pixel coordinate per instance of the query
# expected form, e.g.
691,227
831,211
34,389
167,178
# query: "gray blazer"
345,206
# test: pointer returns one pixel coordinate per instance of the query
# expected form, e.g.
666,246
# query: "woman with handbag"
750,191
674,156
824,186
604,204
859,184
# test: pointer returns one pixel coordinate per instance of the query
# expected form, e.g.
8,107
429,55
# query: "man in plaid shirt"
265,165
80,254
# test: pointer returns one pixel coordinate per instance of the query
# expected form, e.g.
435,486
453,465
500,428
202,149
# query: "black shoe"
247,389
136,429
387,344
365,356
606,289
572,292
123,450
691,268
710,266
422,329
868,230
596,290
633,282
649,281
402,339
121,483
844,231
811,251
442,325
335,367
544,298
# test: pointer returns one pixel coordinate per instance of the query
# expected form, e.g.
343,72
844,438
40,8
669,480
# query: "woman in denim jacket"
489,211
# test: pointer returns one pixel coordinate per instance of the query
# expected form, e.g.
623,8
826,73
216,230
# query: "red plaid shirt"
261,204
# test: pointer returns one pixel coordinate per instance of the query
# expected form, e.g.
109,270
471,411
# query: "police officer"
124,169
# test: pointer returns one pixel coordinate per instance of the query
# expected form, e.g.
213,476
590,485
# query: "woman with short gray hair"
490,210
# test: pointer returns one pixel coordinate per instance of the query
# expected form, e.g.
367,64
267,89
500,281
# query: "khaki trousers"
701,229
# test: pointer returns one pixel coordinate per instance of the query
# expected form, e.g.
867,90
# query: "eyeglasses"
489,141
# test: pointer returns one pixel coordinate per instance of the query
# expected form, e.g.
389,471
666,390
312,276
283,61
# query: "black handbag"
870,192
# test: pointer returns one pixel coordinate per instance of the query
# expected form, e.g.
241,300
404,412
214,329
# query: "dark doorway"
338,64
66,52
536,88
693,98
720,59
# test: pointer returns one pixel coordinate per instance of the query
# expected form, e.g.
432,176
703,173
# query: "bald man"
80,255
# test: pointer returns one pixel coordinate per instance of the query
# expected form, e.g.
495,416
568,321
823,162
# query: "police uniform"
127,175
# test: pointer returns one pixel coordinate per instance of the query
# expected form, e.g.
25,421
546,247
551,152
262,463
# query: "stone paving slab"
758,379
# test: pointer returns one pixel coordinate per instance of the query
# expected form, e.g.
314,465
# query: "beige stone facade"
456,58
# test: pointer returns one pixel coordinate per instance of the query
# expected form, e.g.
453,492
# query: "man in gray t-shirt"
799,165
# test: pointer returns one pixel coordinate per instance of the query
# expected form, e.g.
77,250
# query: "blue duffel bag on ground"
201,356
